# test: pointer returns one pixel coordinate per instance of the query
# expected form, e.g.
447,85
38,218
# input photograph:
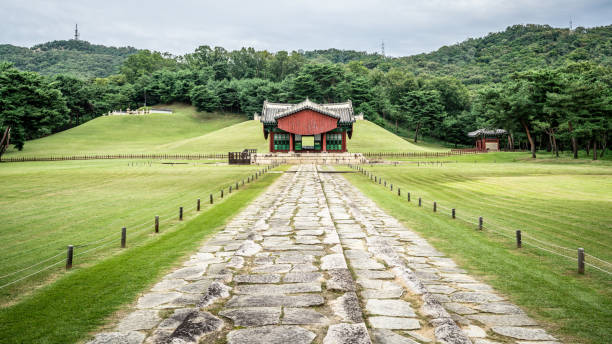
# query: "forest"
551,88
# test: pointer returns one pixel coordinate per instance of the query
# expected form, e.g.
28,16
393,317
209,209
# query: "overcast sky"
179,26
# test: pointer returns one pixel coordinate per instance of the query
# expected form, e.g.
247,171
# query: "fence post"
375,179
519,243
453,213
434,207
221,193
181,214
408,196
480,222
230,189
69,256
211,199
581,261
391,187
399,191
156,224
385,183
198,207
236,185
419,201
123,236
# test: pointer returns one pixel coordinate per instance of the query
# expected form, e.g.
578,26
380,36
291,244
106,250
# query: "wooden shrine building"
487,140
308,126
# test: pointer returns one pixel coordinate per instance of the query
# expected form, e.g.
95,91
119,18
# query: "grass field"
47,206
129,133
188,131
557,206
82,300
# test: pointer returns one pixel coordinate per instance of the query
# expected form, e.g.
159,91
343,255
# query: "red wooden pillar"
291,144
343,141
271,142
324,143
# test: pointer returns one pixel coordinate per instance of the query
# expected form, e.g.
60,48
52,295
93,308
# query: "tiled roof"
273,111
479,132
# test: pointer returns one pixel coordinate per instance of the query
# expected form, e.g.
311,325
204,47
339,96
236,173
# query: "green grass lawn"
85,298
561,205
369,137
129,133
49,205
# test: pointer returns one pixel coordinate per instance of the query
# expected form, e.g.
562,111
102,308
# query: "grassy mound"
129,134
189,131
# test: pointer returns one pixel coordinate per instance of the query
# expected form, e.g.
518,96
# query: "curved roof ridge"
273,111
306,104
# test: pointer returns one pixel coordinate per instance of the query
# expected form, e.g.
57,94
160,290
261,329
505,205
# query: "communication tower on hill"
382,48
76,32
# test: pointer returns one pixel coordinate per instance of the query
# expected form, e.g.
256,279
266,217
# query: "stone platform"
293,158
312,260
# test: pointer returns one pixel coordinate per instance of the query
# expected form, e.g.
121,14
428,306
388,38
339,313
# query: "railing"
453,152
226,156
116,156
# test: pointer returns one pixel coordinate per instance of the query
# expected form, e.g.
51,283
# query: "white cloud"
179,26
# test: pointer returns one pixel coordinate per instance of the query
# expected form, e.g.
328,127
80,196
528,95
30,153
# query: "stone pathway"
313,260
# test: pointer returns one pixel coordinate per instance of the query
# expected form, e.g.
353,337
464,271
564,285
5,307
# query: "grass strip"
67,310
576,308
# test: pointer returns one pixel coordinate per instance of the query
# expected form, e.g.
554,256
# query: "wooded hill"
475,61
76,58
518,48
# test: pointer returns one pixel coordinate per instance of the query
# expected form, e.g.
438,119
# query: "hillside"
474,61
77,58
518,48
186,131
129,134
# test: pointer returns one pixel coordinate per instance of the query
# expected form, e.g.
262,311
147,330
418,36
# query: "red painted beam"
307,122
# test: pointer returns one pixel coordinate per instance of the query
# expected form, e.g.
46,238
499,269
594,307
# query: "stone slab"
394,323
253,316
333,261
522,333
384,336
275,300
139,320
347,334
303,316
271,335
397,308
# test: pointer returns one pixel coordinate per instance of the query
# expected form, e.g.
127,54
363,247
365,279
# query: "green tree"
423,111
145,62
77,96
29,105
204,98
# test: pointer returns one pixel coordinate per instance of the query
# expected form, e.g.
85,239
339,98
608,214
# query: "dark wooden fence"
420,154
220,156
116,156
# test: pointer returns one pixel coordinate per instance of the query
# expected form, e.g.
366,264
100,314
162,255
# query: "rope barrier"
498,229
105,240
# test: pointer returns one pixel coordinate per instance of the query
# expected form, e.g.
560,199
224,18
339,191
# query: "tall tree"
423,110
29,105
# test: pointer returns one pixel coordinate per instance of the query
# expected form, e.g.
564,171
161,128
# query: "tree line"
569,106
539,107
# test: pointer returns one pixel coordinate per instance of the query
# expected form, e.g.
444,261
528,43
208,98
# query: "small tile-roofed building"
307,126
487,140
